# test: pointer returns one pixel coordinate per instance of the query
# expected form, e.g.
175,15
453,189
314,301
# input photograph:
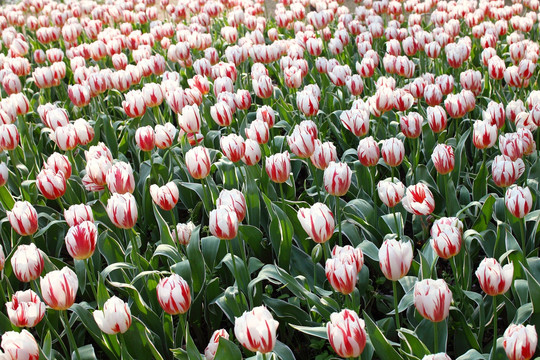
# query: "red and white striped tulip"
19,345
25,309
27,263
317,221
173,295
519,341
23,218
59,288
395,258
81,240
518,200
432,299
419,200
122,210
346,333
494,279
223,223
256,330
114,318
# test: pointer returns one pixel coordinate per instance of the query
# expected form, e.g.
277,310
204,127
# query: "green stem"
523,237
394,286
338,215
494,325
93,282
71,338
315,178
229,245
398,228
57,336
282,198
435,338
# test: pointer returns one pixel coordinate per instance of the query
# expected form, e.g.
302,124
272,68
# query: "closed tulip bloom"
301,142
79,95
164,135
77,214
198,162
438,356
307,103
165,196
9,137
390,191
223,223
96,170
153,94
411,125
65,137
59,288
432,299
23,218
317,221
81,240
337,178
54,117
520,342
122,210
356,121
182,233
504,171
59,163
324,154
120,178
19,346
210,351
494,279
518,201
443,158
341,275
221,113
346,333
233,147
256,330
252,155
258,130
173,295
190,119
440,224
134,105
51,185
393,151
484,134
447,243
511,145
419,200
145,138
27,263
395,258
263,87
349,255
114,318
235,200
278,167
266,114
368,152
433,94
25,309
437,118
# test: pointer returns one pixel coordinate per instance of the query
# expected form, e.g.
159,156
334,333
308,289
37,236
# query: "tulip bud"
164,135
437,119
210,351
317,222
114,318
443,158
411,125
447,243
97,168
51,185
145,138
504,171
59,163
278,167
484,134
223,223
393,151
9,137
182,233
173,295
23,218
518,201
346,333
190,119
134,105
256,330
20,345
395,258
432,299
520,341
356,121
266,114
25,309
368,152
252,155
349,255
419,200
234,200
511,145
198,162
122,210
301,142
390,191
81,240
59,288
166,196
324,154
337,178
494,279
233,147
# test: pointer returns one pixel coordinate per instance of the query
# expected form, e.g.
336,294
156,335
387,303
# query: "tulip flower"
447,243
438,356
278,167
256,330
493,278
20,345
443,158
395,258
266,114
411,125
114,318
59,288
198,162
356,121
233,147
346,333
518,201
210,351
253,154
145,138
223,223
432,299
234,200
166,196
182,233
134,105
122,210
27,263
317,222
77,214
173,295
25,309
337,178
59,163
51,185
23,218
520,341
390,191
81,240
190,119
164,135
419,200
484,134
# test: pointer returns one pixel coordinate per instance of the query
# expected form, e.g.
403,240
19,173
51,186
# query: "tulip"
323,154
484,134
443,158
114,318
356,121
393,151
97,168
81,240
520,341
23,218
59,288
349,255
447,243
438,356
256,330
390,191
65,137
190,119
266,114
173,295
411,125
51,185
166,196
432,299
223,223
278,167
153,94
493,278
511,145
182,233
210,351
59,163
25,309
262,86
395,258
20,346
504,171
307,103
302,142
120,178
79,95
234,200
252,155
233,147
134,105
337,178
27,263
164,135
341,275
198,162
9,137
518,201
122,210
258,131
368,152
77,214
145,138
419,200
4,173
346,333
221,113
317,222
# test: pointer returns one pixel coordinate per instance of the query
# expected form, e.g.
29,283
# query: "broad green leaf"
382,346
227,350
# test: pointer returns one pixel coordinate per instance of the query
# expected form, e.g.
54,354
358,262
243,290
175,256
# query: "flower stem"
435,338
315,178
69,333
398,228
338,215
523,237
494,325
282,198
394,286
92,280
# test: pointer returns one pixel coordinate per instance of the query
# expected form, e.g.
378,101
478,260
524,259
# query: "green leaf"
283,351
319,331
382,346
164,230
485,215
480,182
191,348
416,346
168,251
534,290
85,352
196,261
227,350
472,355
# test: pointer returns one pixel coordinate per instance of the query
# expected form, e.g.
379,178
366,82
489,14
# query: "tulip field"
301,179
